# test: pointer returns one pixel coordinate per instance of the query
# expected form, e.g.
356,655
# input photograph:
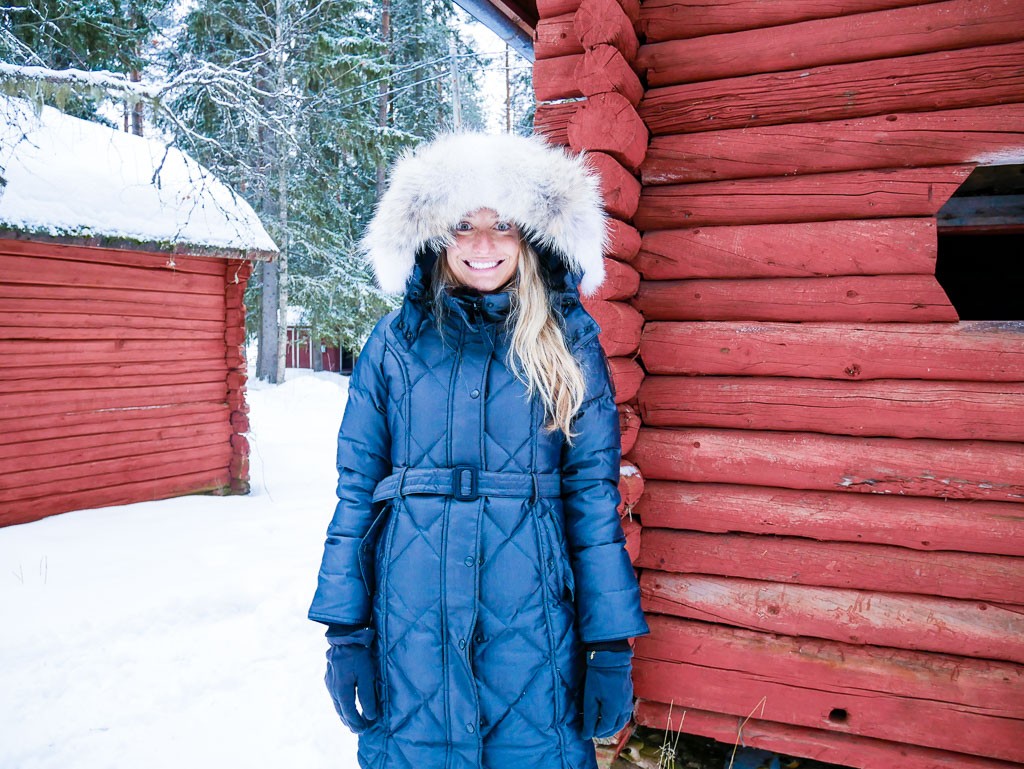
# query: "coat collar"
489,311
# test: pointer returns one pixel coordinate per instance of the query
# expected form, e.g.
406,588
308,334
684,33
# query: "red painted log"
885,34
188,376
978,351
609,123
858,299
807,249
983,135
548,8
888,407
619,188
922,623
35,457
239,422
119,471
819,744
621,281
604,22
973,77
620,326
921,467
819,197
15,433
795,561
626,378
17,353
631,487
556,36
552,121
623,241
629,426
604,70
675,20
556,78
31,324
57,272
913,522
165,264
204,481
17,405
950,703
97,301
29,375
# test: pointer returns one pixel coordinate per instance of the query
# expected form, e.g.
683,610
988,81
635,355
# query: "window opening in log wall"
981,245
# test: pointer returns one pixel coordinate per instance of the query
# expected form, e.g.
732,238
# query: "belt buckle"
465,483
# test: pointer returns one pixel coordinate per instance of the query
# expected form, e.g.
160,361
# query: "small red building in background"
302,352
122,323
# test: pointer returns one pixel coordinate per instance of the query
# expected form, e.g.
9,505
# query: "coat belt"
466,483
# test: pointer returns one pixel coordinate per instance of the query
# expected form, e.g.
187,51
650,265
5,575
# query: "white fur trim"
553,196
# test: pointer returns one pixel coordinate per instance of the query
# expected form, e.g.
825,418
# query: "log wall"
828,464
122,377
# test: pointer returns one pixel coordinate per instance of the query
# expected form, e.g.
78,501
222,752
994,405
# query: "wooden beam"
852,566
619,188
976,351
874,194
859,299
16,405
913,139
873,36
621,282
950,703
626,378
15,353
882,407
609,123
681,19
604,22
604,70
920,467
805,249
919,523
556,36
552,121
920,622
973,77
556,78
623,241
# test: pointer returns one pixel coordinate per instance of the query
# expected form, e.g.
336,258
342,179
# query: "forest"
298,105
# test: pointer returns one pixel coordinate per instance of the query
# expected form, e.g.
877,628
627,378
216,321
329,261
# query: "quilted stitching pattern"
479,640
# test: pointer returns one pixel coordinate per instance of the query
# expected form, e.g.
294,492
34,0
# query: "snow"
174,633
71,177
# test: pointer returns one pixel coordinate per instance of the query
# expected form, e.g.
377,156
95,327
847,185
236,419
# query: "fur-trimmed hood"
553,197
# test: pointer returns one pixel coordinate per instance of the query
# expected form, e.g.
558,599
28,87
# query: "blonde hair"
538,354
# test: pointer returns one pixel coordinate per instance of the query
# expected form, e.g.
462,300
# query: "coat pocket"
555,559
368,549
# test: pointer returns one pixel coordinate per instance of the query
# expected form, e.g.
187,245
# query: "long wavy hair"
538,354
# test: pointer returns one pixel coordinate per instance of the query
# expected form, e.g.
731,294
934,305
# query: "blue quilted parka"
483,549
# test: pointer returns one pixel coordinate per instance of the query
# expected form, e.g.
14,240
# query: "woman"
475,584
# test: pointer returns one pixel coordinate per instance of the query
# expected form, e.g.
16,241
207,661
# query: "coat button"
479,638
474,394
469,560
470,728
462,643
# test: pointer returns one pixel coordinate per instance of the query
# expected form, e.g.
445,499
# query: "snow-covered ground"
174,633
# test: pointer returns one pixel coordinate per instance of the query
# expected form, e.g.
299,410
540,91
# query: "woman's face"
485,251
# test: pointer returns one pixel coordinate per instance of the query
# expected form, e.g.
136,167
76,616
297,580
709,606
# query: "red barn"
814,317
123,266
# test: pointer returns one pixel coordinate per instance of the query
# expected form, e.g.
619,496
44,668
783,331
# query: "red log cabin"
814,318
122,369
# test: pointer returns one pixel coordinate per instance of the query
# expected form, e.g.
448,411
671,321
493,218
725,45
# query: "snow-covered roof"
65,177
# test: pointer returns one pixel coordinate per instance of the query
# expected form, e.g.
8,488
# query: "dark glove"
607,693
350,669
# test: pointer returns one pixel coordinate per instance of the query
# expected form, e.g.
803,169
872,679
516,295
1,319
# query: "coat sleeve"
364,457
607,594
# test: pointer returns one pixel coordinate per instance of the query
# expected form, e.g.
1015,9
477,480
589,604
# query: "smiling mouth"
482,266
